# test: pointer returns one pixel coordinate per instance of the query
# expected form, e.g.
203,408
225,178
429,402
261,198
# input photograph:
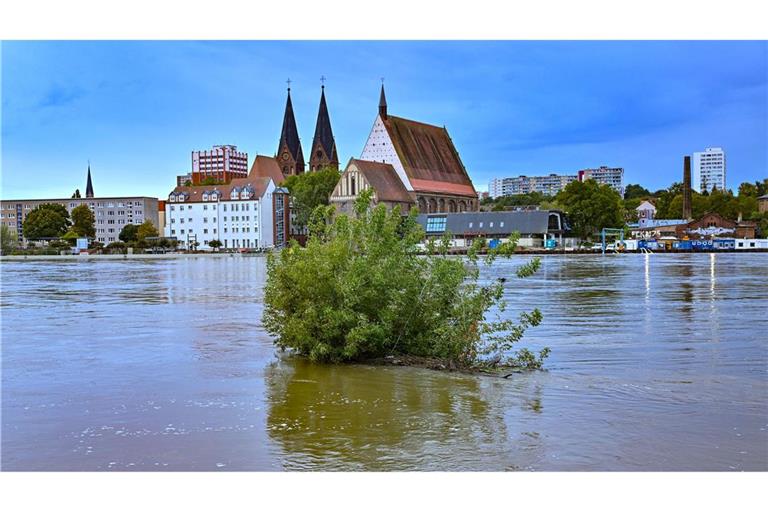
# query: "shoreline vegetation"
360,291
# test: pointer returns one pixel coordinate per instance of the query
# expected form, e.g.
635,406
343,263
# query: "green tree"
215,244
49,220
591,207
633,191
146,230
9,239
309,190
128,233
361,290
83,221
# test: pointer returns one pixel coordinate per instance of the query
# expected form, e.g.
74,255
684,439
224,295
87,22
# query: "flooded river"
658,362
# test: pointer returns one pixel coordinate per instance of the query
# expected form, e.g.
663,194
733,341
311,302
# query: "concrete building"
112,214
222,163
534,227
709,170
550,184
612,176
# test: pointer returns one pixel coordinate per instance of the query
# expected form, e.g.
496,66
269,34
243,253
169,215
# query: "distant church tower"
323,145
289,154
89,184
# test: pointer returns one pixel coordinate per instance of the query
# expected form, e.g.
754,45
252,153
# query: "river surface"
658,362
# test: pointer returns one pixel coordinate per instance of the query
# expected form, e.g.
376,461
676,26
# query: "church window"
352,184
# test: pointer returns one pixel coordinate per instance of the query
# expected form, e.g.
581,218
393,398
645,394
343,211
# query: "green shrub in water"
361,290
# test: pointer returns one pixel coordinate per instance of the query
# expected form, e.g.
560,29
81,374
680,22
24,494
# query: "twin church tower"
290,156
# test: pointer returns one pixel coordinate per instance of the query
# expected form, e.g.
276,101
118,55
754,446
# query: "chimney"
687,214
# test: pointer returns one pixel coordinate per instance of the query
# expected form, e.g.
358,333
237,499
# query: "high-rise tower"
323,145
289,154
687,196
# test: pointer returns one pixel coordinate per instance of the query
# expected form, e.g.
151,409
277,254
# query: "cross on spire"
289,83
322,81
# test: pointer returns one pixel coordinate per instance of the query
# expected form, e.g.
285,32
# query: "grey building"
534,227
112,214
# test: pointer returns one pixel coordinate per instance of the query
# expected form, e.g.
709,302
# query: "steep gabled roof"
429,157
384,180
266,167
289,136
89,184
323,131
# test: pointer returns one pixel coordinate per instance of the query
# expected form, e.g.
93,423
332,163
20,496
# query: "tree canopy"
8,239
633,191
309,190
49,220
128,233
83,221
591,206
146,230
361,290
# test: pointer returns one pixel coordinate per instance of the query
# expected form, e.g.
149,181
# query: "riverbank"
88,257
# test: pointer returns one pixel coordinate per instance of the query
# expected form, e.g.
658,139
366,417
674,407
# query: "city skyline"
137,110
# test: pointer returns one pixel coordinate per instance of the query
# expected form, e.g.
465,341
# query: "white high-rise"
709,170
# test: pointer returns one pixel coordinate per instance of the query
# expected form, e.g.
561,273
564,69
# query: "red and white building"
222,163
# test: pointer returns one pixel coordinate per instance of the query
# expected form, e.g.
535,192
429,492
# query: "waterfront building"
549,185
646,211
381,178
323,153
611,176
710,225
221,163
534,227
424,158
246,213
709,170
111,214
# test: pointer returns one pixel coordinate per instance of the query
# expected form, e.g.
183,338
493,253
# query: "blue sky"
137,109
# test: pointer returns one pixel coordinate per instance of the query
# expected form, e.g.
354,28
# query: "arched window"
352,185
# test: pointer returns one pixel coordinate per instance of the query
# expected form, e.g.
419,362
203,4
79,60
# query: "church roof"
429,157
266,167
384,180
290,134
323,131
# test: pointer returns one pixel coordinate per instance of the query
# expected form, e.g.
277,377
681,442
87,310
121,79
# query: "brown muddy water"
658,362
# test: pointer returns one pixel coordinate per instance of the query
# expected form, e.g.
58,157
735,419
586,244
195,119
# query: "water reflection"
375,418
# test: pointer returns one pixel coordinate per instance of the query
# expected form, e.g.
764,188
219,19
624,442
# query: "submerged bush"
360,290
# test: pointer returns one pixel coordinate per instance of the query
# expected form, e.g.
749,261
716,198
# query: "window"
471,224
436,224
205,231
501,224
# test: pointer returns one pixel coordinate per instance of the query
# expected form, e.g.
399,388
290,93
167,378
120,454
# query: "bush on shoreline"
359,290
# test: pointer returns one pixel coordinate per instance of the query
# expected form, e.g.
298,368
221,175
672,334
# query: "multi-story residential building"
112,214
709,170
222,163
246,213
182,179
550,184
612,176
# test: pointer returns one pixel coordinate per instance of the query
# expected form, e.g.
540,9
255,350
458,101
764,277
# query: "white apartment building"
239,214
550,184
709,170
612,176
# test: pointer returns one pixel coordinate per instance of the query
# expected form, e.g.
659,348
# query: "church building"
323,152
423,157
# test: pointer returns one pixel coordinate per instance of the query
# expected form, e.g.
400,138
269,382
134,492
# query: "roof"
258,183
323,131
494,223
763,198
384,180
266,167
429,157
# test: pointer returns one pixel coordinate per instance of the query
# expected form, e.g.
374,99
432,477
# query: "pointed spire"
289,137
89,183
323,144
382,102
